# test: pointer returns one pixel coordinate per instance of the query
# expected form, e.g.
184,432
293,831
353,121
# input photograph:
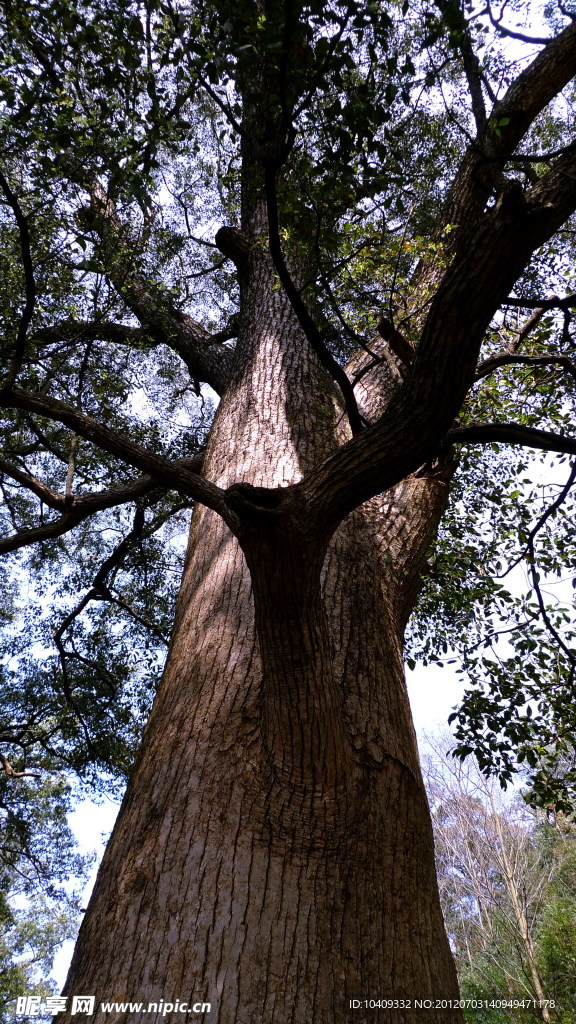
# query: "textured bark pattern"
278,884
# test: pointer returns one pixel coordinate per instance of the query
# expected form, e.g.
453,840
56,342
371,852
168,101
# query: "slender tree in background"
507,888
492,872
327,213
37,911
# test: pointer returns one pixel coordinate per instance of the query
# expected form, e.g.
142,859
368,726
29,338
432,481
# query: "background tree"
506,876
274,851
38,907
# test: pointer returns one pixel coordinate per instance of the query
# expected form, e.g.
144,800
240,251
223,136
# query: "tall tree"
273,854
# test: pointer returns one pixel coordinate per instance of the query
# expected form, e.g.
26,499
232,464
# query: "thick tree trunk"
273,855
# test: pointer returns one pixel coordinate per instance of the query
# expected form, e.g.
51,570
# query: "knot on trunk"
245,498
233,244
400,345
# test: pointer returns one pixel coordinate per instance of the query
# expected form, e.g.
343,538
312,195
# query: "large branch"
41,490
77,508
532,91
91,330
476,283
419,415
511,118
382,455
48,531
175,474
206,359
480,172
422,412
512,433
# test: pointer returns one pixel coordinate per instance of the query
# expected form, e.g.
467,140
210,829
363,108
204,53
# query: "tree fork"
303,733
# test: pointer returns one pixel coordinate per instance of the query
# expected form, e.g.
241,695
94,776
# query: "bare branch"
506,358
174,474
511,433
497,23
70,700
96,592
532,91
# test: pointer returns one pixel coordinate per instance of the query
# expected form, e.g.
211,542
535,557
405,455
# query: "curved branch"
99,587
510,33
506,358
511,433
36,534
206,359
83,506
8,769
114,599
480,171
175,474
533,89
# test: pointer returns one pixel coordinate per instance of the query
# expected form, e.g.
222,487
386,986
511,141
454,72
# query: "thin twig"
570,654
299,307
510,32
506,358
